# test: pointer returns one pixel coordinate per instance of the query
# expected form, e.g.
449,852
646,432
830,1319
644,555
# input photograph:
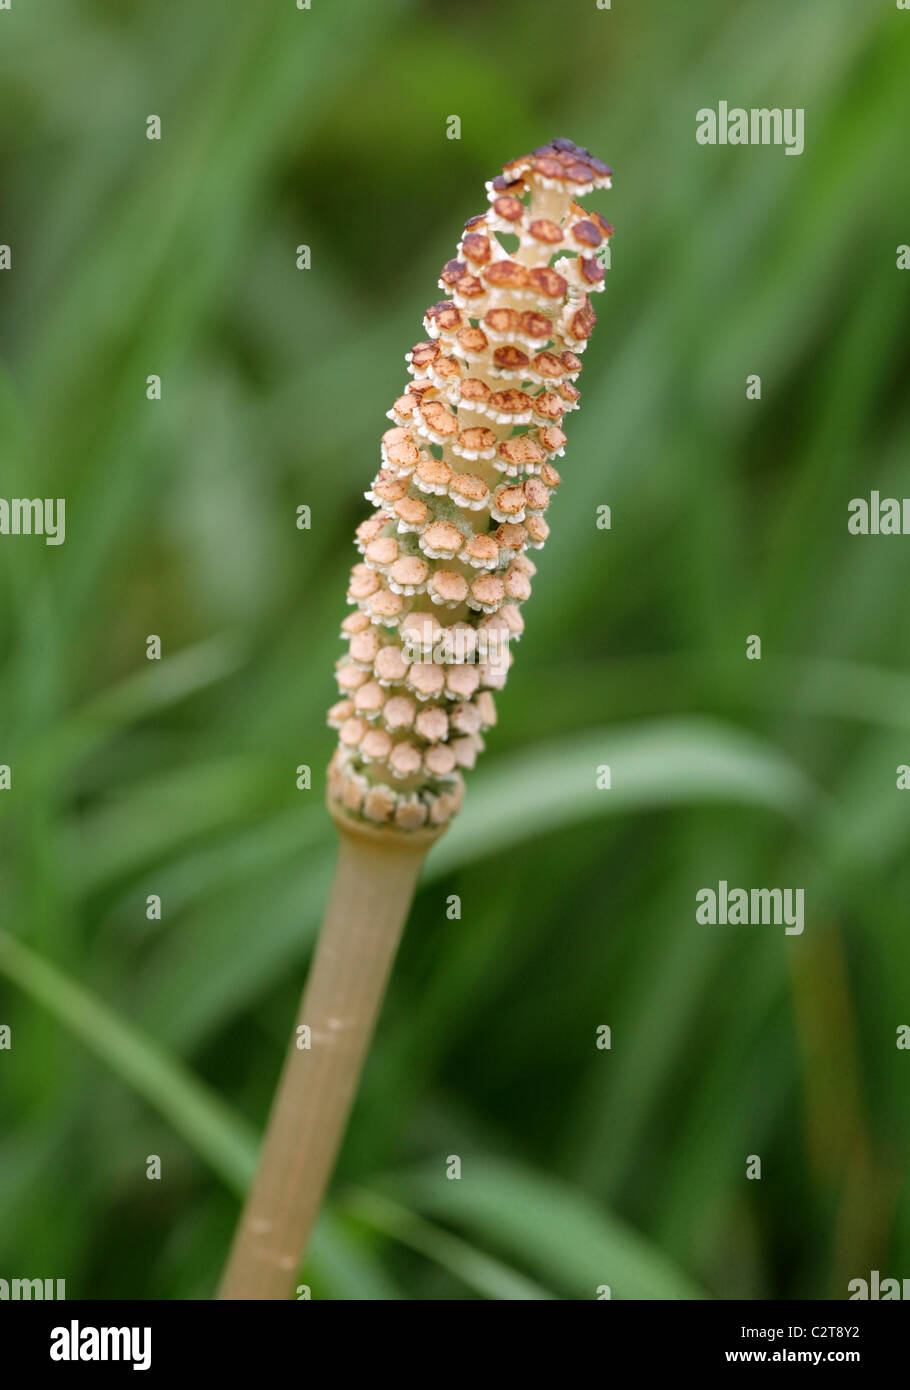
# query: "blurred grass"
130,258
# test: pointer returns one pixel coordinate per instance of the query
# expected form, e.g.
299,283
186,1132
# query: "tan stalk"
375,877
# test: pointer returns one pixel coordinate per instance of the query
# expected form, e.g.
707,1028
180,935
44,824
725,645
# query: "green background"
133,1037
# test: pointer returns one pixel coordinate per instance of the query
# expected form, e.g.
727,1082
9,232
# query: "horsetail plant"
467,473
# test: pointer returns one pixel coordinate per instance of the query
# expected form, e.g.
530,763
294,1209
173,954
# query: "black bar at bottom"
251,1341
